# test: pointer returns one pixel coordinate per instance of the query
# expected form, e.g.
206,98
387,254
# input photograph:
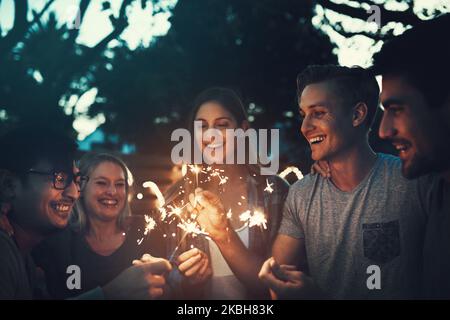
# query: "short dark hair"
422,56
352,85
25,146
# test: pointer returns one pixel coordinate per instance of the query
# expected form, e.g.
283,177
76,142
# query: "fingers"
269,278
205,269
146,257
155,280
156,266
266,268
156,293
194,269
322,168
192,265
287,267
187,254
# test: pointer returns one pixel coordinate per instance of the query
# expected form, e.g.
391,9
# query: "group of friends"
357,211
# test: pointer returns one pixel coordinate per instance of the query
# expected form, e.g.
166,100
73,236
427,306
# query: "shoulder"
305,184
389,162
8,248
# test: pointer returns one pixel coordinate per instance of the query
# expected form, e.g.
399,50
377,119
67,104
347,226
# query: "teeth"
109,202
62,207
317,139
401,147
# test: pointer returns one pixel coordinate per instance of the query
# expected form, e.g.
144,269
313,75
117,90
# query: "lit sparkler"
255,219
269,188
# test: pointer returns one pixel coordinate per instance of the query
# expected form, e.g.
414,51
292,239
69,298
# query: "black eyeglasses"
62,180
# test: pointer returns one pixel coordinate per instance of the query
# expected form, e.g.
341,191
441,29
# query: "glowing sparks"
194,169
183,169
150,224
155,189
192,227
174,210
163,213
269,188
293,169
255,219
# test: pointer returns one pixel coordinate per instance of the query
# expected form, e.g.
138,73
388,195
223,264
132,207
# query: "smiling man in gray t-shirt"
358,234
379,223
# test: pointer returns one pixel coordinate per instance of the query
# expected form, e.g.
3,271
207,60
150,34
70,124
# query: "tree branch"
19,28
406,17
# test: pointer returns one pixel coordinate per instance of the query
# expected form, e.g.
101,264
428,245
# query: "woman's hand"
322,168
194,265
210,213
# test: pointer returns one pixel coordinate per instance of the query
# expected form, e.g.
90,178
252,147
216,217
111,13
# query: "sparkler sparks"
155,189
269,188
192,227
293,169
255,219
150,224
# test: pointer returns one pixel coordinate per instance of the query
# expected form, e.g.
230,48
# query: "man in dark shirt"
416,97
46,184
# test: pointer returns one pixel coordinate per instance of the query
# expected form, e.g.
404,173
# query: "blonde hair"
87,164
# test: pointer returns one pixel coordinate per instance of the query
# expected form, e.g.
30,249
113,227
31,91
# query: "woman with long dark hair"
221,198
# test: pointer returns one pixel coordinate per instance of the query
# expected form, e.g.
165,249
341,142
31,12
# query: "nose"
111,189
387,129
306,126
72,191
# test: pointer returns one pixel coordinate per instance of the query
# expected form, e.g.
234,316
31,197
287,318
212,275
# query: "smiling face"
105,194
420,133
215,116
40,207
326,125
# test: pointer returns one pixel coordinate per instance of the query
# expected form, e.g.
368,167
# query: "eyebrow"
221,118
105,178
314,105
388,102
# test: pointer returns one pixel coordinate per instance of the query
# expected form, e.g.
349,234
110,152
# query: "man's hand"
144,280
322,168
210,213
194,265
286,282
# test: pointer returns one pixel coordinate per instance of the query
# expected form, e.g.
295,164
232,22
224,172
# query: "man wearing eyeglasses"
46,184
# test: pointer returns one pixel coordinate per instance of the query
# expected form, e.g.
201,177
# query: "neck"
26,240
350,168
99,229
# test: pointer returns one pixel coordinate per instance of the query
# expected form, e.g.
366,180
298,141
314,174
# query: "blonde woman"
104,238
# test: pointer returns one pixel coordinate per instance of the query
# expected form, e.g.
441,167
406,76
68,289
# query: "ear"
359,114
245,125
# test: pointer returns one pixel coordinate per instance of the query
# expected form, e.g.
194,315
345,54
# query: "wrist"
221,236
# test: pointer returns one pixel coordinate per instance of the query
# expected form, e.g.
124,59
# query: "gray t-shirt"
381,222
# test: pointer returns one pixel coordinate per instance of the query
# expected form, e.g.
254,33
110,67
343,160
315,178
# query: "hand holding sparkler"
145,279
194,265
210,213
286,282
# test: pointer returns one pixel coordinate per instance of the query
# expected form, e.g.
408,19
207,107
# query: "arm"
211,216
289,250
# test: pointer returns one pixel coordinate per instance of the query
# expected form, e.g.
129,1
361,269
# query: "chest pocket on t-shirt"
381,241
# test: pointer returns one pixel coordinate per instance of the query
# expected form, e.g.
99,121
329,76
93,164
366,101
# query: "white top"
224,284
